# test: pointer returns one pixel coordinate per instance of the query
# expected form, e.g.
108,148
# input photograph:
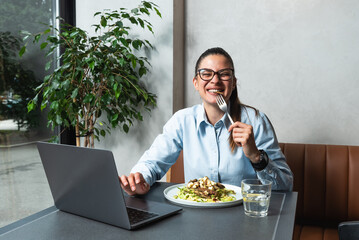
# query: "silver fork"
223,106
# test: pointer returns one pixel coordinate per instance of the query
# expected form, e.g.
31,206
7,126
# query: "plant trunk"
78,140
86,120
86,141
92,133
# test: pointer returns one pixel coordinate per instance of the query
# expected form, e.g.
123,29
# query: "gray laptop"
85,182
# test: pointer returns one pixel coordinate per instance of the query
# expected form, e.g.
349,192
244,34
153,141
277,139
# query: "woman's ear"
234,82
195,83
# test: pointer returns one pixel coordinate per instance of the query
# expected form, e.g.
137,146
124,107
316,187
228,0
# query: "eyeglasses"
208,74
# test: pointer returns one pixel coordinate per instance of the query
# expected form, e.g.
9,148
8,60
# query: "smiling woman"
212,146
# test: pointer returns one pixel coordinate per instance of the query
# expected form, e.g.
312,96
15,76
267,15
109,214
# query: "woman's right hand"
134,184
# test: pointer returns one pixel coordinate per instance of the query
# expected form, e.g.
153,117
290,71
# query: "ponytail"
236,112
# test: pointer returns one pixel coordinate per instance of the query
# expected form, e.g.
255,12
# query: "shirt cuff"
269,170
146,173
262,164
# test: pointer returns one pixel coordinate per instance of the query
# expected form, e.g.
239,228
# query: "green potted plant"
98,74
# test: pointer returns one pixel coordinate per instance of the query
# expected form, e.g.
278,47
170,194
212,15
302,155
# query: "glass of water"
256,196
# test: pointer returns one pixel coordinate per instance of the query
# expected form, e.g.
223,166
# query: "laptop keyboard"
136,215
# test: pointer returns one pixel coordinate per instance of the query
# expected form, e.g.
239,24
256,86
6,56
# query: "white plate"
173,190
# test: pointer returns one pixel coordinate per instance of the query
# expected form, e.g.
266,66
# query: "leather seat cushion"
305,232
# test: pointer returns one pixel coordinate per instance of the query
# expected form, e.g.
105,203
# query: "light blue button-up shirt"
206,150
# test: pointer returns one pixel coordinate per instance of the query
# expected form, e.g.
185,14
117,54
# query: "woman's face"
208,89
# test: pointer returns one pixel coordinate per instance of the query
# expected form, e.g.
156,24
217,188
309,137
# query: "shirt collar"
202,118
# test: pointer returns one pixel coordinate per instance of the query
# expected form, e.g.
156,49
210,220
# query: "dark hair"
213,51
235,103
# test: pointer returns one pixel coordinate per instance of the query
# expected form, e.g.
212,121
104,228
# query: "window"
24,189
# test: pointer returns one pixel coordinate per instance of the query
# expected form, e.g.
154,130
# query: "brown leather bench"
326,178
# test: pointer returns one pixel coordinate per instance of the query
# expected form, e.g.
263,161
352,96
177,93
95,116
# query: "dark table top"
191,223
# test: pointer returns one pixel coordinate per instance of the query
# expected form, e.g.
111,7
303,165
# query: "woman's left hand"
243,136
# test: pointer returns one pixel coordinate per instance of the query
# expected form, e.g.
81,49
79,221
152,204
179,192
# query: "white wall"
297,61
128,148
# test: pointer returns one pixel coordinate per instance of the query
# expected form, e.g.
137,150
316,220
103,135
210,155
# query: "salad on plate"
205,190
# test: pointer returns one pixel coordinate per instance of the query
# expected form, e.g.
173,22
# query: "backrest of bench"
327,181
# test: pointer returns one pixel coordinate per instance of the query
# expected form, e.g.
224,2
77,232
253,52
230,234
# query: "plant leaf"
119,24
88,98
58,119
142,71
141,22
30,106
37,37
158,12
124,42
103,21
122,61
150,28
43,45
54,105
47,31
114,117
92,65
136,44
147,5
43,105
133,20
125,128
135,10
48,65
22,51
74,93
